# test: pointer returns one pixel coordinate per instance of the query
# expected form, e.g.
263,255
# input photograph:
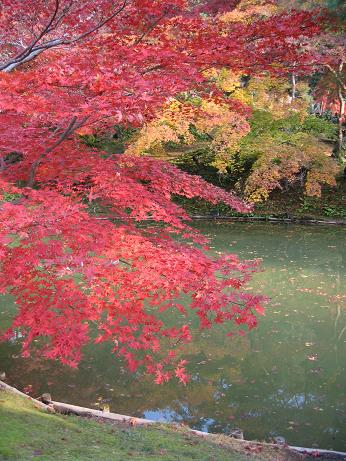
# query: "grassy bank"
292,203
27,432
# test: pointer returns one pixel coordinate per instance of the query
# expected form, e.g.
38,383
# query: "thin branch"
63,13
151,69
125,262
101,24
45,31
25,53
33,51
9,66
150,28
337,75
73,126
341,333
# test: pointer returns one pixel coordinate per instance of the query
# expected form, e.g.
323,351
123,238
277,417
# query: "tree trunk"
294,87
340,143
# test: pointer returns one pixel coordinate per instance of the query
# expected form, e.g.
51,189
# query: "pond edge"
293,220
68,409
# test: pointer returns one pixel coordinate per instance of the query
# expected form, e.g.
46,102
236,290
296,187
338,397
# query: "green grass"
28,433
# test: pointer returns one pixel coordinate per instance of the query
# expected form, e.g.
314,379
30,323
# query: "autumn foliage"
74,68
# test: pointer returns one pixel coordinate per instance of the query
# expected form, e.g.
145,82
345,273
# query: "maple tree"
261,134
76,67
222,124
297,159
329,51
286,146
192,131
330,90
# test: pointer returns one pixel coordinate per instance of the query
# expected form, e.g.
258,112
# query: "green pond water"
287,377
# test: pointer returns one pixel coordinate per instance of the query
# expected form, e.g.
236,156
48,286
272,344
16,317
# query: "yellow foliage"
225,79
309,162
280,160
170,126
228,80
223,127
316,178
272,94
249,10
211,73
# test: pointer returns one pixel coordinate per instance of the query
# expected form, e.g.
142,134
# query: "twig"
73,126
150,28
33,51
101,24
45,31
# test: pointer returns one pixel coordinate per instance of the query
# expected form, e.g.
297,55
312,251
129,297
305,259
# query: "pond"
285,378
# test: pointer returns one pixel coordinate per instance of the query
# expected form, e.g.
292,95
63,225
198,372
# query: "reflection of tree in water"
310,408
285,378
343,257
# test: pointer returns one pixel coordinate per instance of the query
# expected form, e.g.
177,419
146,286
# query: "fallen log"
67,409
37,403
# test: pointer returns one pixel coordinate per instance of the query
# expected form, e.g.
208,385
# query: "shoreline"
273,220
68,409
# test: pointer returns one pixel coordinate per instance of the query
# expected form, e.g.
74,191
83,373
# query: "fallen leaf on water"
313,357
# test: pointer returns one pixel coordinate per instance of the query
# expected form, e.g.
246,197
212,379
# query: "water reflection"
286,378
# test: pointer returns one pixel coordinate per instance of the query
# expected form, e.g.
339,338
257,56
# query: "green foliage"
124,133
190,97
114,144
199,135
334,211
199,207
287,146
260,122
8,197
91,140
264,122
320,127
308,204
280,150
311,204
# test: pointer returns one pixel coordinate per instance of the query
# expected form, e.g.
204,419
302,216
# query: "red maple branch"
72,127
33,51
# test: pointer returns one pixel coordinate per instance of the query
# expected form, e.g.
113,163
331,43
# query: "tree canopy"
71,68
